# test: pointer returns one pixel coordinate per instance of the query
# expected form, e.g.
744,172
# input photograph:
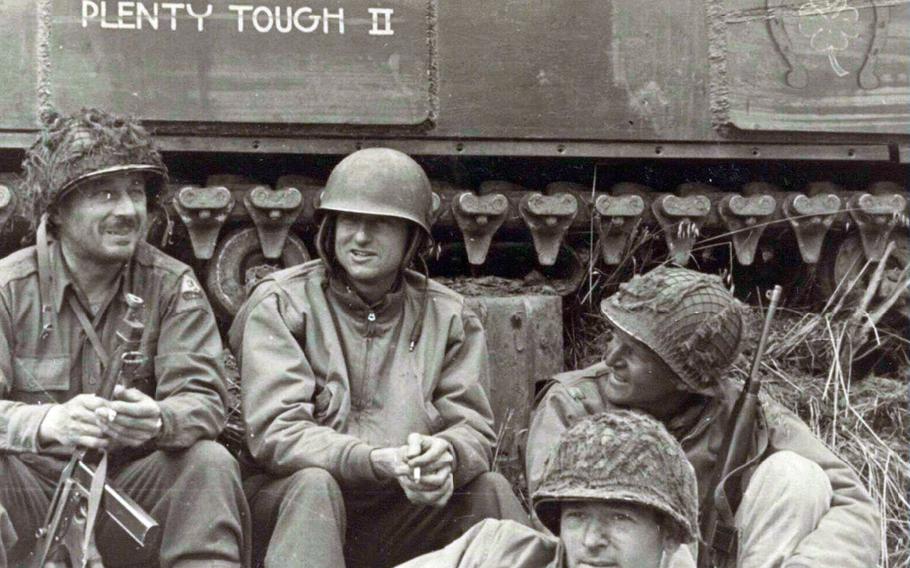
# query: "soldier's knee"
787,477
490,482
210,455
314,480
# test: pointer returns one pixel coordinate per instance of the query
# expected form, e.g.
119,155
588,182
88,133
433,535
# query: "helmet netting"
621,455
72,146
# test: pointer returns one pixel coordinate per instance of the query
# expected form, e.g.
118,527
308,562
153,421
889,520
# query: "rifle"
719,535
83,489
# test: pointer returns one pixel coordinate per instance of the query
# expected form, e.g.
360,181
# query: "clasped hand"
129,420
423,468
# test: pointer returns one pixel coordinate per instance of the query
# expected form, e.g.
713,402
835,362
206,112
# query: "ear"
674,554
53,215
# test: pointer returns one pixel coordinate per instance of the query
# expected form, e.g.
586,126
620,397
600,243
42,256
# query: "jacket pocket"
37,377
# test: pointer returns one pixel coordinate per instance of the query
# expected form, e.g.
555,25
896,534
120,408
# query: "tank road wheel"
844,258
238,263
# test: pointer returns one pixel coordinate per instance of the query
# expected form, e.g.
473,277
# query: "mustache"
122,224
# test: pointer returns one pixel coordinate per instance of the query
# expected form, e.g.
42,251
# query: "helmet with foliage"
688,318
86,145
623,456
376,181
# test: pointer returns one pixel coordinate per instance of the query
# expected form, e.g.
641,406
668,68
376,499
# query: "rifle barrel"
734,449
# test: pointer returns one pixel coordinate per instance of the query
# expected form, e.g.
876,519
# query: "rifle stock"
733,454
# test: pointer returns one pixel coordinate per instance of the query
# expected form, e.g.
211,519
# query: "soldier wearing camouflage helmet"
88,180
674,333
618,491
363,386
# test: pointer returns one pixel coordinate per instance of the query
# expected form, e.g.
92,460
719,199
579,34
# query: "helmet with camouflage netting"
86,145
621,456
688,318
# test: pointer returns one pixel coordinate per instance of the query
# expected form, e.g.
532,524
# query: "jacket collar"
59,277
385,309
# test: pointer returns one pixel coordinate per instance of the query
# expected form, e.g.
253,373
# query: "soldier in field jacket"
675,332
363,386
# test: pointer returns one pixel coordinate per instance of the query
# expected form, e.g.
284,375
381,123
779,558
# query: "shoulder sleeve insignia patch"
191,294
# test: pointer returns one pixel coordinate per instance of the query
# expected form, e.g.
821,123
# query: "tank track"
238,230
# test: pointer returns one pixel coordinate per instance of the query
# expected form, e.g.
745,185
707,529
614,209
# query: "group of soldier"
364,402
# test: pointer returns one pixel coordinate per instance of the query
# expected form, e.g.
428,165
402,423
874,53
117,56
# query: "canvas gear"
688,318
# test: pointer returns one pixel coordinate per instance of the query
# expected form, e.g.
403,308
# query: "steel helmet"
85,145
380,181
621,455
688,318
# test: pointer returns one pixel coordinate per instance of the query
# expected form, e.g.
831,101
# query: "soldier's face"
103,219
370,248
614,534
639,378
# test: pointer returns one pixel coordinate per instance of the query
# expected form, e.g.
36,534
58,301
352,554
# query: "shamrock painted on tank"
830,25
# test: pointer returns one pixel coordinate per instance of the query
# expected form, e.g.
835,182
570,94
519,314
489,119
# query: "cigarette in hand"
416,475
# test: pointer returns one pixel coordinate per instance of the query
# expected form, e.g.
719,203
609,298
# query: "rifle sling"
726,544
96,488
89,330
96,492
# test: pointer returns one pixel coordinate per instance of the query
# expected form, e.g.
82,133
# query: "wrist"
382,461
47,433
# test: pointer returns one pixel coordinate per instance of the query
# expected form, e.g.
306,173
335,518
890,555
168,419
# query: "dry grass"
863,421
810,366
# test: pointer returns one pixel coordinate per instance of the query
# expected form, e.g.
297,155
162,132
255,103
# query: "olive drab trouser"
195,494
312,522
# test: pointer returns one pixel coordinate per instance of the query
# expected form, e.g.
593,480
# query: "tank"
567,141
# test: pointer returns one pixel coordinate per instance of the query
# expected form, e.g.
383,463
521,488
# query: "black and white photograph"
455,284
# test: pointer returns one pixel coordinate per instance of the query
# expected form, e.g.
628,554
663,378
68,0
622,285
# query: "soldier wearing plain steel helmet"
377,182
88,180
674,335
362,386
618,491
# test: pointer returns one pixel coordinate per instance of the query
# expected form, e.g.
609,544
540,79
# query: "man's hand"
131,419
433,489
429,462
423,468
388,463
429,453
74,423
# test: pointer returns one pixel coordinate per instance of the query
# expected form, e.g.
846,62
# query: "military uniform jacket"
496,544
847,535
41,364
506,544
327,378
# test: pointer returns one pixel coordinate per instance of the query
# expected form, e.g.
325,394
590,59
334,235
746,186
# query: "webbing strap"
45,279
96,491
89,330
